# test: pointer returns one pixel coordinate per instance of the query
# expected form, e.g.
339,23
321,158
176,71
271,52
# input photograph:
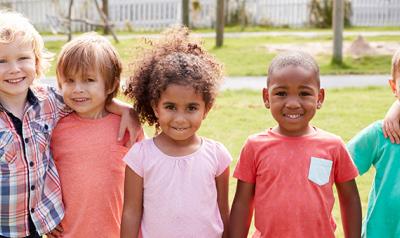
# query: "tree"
220,23
105,10
338,22
185,12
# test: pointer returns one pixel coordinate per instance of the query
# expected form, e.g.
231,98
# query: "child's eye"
2,61
69,80
192,108
24,58
281,94
170,107
305,94
90,80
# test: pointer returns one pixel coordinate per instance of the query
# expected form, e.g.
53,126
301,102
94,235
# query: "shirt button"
46,127
32,210
33,187
31,163
26,140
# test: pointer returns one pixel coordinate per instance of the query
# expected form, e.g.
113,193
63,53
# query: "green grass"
237,114
249,56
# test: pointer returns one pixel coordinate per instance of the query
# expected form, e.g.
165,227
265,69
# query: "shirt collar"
30,98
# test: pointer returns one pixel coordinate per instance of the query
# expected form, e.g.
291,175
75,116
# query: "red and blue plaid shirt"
29,181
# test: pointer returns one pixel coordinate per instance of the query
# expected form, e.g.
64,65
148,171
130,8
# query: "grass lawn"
248,56
237,114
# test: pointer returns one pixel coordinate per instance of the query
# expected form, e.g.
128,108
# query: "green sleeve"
364,147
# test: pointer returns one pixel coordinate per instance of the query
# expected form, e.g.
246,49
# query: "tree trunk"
185,12
337,24
220,23
71,2
105,11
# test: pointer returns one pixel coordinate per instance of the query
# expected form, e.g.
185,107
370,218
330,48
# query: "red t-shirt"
294,178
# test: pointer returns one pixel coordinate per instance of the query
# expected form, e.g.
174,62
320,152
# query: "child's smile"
293,95
17,69
180,112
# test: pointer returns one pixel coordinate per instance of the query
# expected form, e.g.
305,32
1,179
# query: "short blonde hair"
90,51
14,26
395,63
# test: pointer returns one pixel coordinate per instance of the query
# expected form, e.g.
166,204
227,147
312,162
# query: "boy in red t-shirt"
286,173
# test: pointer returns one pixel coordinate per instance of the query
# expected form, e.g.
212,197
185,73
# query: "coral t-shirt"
294,178
88,158
179,193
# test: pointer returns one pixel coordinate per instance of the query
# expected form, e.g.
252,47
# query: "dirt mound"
360,47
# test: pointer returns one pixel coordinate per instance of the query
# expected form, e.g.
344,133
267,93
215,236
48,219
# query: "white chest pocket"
320,170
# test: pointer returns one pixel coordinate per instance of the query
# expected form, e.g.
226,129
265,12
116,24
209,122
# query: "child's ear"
114,87
392,83
155,110
321,98
208,108
265,94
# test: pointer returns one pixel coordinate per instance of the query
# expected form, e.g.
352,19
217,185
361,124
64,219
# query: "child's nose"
78,87
14,67
292,103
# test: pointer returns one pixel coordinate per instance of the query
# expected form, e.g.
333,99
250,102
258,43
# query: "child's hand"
56,232
391,123
130,122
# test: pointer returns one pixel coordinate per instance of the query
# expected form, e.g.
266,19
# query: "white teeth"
293,116
80,99
179,129
15,80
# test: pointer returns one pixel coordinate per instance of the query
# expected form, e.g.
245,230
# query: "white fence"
156,14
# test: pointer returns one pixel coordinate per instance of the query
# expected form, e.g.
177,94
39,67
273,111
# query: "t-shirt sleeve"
134,158
246,167
364,147
345,170
224,158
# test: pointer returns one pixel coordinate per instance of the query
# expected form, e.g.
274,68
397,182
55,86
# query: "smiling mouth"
80,99
293,116
15,81
179,129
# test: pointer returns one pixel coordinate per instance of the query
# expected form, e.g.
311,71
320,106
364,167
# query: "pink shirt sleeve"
345,169
134,158
224,158
245,169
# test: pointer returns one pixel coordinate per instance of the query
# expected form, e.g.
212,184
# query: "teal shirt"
370,148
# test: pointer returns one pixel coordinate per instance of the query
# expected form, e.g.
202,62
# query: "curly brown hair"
175,58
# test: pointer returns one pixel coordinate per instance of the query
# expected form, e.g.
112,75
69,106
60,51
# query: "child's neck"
309,130
172,147
15,105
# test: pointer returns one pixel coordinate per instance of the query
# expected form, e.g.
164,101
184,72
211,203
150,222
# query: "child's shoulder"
43,92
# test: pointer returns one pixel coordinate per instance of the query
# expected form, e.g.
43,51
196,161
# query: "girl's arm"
129,120
350,208
222,182
391,123
133,205
242,210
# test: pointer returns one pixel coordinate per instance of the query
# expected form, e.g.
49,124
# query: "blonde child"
286,173
176,184
30,194
371,148
84,145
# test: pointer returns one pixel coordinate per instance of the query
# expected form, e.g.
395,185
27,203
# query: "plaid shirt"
29,181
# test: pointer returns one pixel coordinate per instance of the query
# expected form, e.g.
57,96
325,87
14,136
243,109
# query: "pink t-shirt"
294,178
180,195
89,161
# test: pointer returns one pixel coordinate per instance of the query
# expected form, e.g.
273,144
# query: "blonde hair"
14,26
395,63
90,52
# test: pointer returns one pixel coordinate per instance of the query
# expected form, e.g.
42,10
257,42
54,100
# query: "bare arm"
222,182
133,205
129,120
350,208
391,123
242,210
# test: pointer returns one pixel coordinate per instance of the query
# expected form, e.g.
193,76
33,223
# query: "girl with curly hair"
176,183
